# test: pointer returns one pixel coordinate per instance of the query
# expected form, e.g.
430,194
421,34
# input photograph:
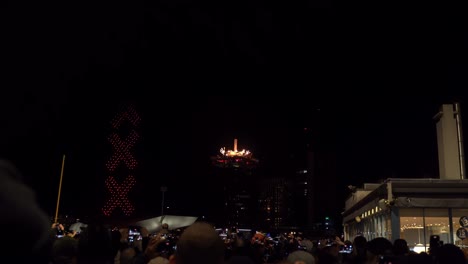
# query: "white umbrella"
174,222
77,227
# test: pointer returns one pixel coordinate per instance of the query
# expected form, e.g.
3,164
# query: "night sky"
200,76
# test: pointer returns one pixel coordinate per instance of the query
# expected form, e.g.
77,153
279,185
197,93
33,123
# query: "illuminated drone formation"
122,156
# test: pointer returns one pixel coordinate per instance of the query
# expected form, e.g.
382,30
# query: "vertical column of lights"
121,154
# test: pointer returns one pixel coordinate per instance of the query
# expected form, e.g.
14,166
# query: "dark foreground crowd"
29,238
201,243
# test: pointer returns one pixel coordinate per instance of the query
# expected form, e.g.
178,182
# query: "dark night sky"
201,76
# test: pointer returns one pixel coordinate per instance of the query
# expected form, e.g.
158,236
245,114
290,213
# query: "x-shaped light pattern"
122,151
122,154
119,195
130,114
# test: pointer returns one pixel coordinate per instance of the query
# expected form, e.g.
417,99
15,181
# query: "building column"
395,223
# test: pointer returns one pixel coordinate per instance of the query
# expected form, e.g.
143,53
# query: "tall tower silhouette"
235,169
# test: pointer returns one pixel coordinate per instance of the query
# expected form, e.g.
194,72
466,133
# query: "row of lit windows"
371,212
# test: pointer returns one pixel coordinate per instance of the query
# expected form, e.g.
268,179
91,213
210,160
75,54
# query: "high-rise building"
313,171
302,198
275,201
235,169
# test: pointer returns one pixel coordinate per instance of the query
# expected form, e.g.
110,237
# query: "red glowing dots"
118,193
122,151
130,114
119,196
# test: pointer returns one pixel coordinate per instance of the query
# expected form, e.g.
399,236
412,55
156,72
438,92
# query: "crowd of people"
201,243
31,239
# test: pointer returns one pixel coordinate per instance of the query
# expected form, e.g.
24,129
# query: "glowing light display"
119,196
234,158
130,115
235,152
122,154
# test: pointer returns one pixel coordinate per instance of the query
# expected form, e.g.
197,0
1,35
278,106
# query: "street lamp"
163,190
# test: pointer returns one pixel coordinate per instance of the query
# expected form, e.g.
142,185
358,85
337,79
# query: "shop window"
412,228
418,225
437,223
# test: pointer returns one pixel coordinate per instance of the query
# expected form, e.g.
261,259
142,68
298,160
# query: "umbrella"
174,222
77,227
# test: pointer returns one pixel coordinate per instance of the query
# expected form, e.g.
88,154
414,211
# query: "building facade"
275,202
412,209
417,209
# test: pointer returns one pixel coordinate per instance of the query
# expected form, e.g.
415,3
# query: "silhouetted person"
65,251
449,254
377,249
199,243
422,258
25,228
400,247
434,245
300,256
359,253
95,245
400,250
164,229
